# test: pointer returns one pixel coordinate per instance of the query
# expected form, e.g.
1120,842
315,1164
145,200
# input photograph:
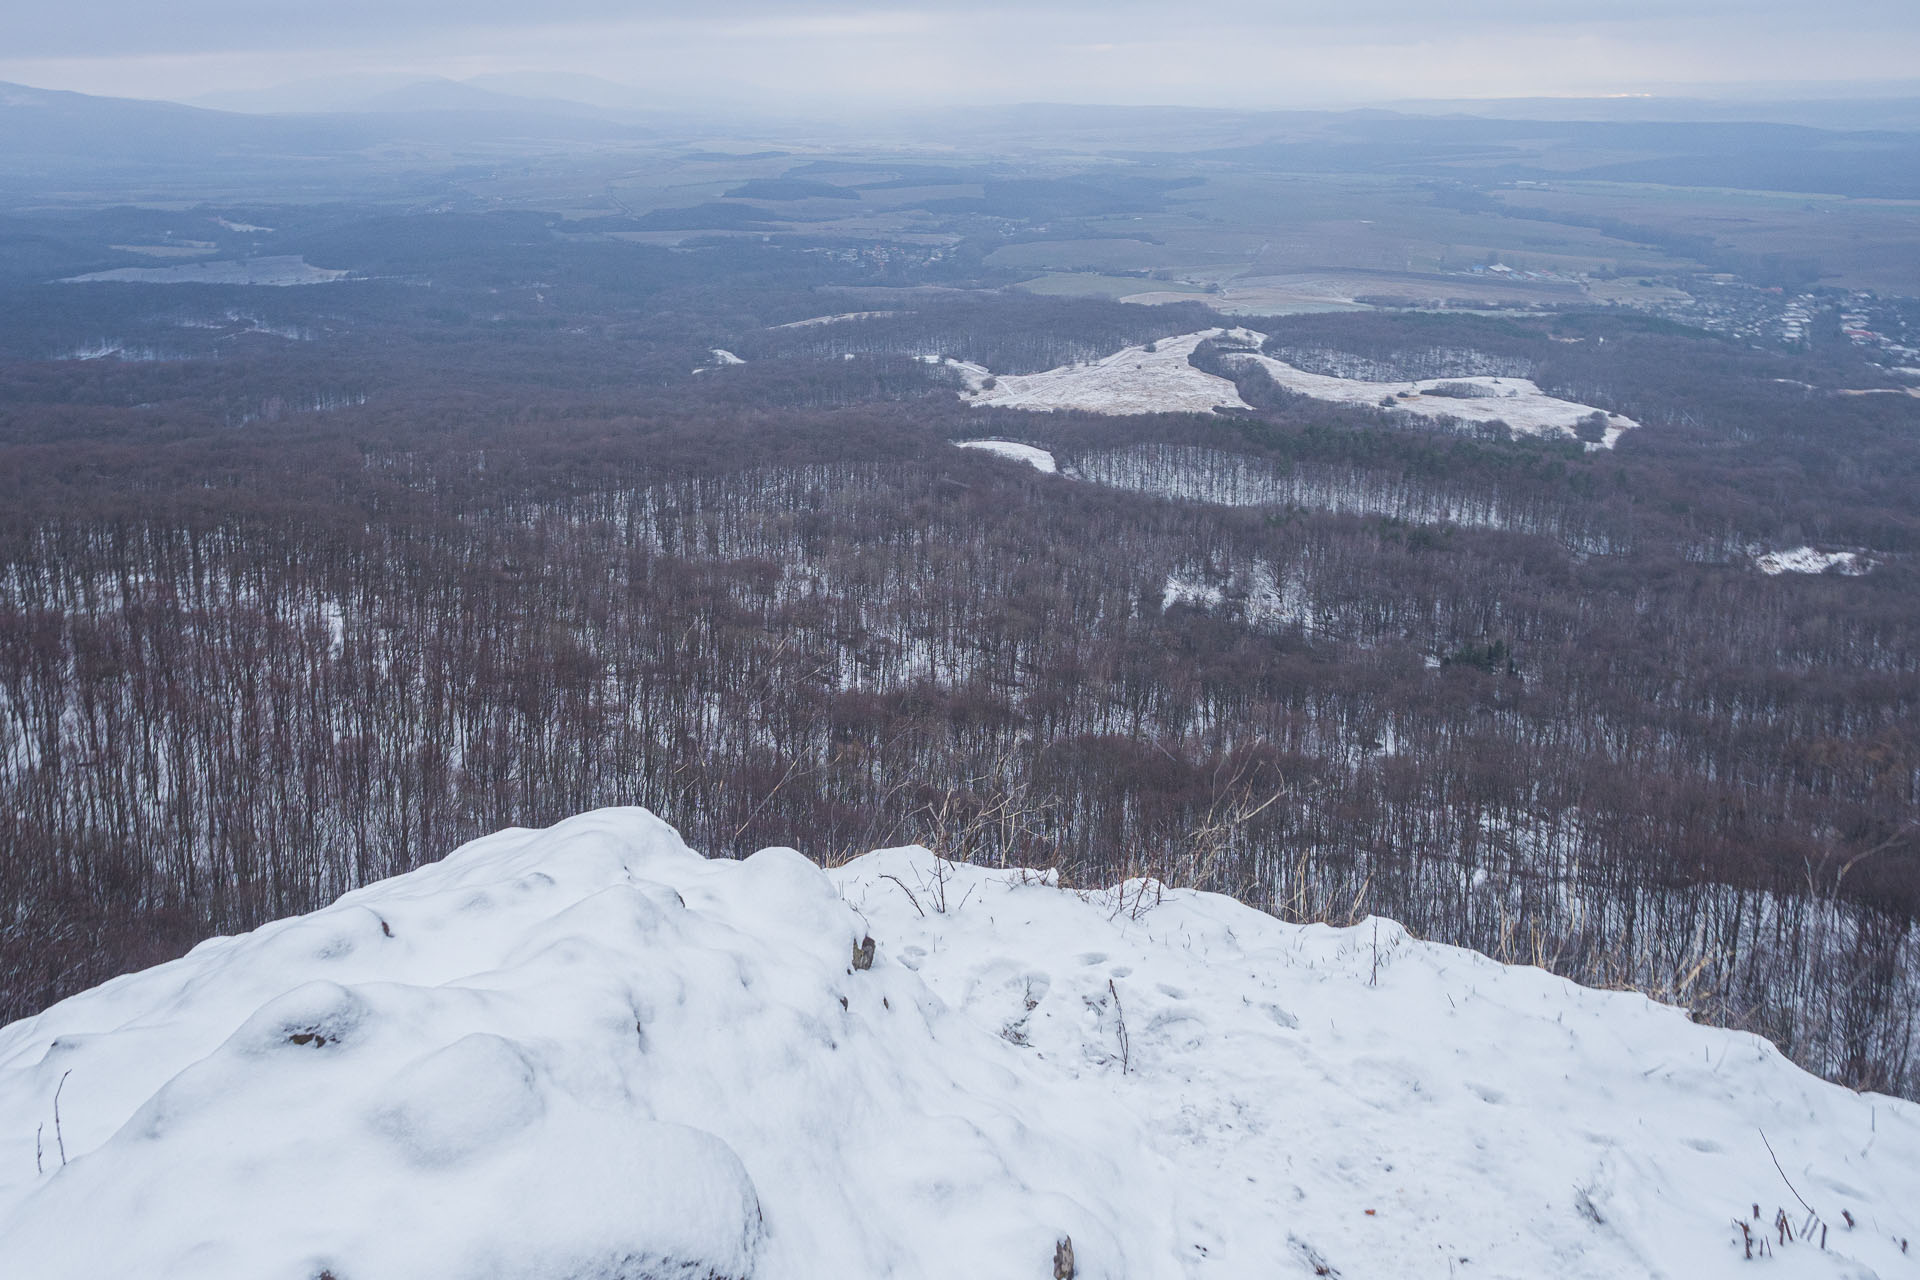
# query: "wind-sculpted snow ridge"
587,1052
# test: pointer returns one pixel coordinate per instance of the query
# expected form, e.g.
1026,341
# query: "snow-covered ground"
587,1052
1518,402
719,358
1261,595
1134,380
1807,560
1038,459
1156,378
972,376
837,318
283,269
1190,590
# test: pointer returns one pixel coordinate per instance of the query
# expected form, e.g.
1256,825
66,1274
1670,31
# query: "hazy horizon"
862,54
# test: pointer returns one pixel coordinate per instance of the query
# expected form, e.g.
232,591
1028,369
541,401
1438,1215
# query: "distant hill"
134,148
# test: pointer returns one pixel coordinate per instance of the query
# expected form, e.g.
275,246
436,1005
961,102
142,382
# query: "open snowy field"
588,1052
1156,378
1134,380
1037,458
838,318
1515,401
284,269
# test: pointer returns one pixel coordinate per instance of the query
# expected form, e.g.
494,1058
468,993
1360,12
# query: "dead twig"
1783,1174
59,1136
910,898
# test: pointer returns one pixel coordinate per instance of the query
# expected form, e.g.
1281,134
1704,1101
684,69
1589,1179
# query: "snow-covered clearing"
972,376
1806,560
1038,459
1191,591
719,358
1155,378
281,270
1518,402
1261,596
811,321
588,1052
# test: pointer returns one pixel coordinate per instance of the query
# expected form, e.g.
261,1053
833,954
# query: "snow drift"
588,1052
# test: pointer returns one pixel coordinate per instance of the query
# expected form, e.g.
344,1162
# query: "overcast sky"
1240,53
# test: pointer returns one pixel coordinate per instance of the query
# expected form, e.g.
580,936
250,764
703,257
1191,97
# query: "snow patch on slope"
1158,378
1154,378
587,1051
838,318
1038,459
972,376
279,270
1518,402
719,358
1849,564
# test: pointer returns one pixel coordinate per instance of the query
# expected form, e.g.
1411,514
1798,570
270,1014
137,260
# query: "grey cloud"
126,27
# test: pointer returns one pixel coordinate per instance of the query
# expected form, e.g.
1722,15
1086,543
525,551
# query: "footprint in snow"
1282,1017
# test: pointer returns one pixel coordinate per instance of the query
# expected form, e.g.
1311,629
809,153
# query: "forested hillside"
281,615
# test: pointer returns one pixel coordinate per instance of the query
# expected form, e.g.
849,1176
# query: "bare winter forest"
284,615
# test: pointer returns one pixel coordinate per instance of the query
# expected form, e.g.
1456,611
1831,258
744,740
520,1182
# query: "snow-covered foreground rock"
587,1052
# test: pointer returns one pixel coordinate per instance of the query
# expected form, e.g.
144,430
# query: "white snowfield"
1518,402
280,270
837,318
1850,564
1037,458
1134,380
972,376
586,1052
1138,380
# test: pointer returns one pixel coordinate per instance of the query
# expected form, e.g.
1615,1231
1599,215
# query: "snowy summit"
589,1052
